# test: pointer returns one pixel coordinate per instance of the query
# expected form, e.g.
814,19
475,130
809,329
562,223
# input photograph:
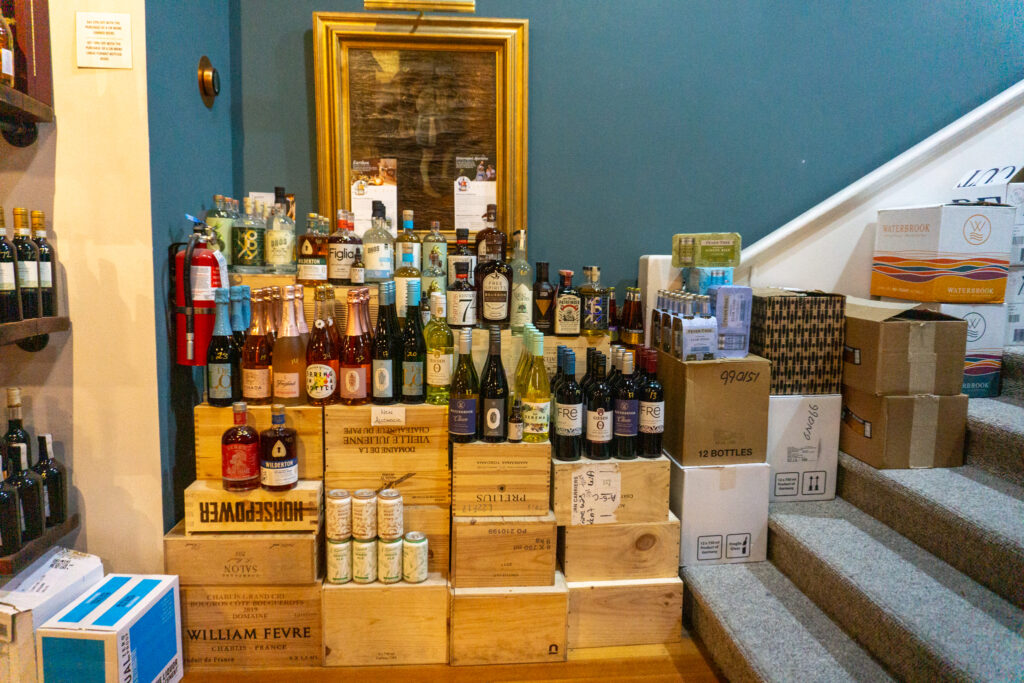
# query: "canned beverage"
389,560
414,557
339,561
339,514
389,514
364,514
364,560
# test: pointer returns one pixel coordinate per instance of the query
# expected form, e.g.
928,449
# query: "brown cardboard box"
716,410
801,333
891,348
893,432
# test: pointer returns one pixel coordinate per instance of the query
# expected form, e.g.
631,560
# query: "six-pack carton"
999,184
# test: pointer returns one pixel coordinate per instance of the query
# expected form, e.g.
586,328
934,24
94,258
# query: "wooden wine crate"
208,507
509,625
385,624
503,551
501,478
307,421
634,550
241,559
434,521
241,627
633,612
610,491
406,449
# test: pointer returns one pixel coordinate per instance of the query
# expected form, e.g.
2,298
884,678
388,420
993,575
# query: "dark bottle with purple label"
624,445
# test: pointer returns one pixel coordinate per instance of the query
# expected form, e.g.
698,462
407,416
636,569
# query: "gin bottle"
378,248
522,284
595,304
281,242
432,241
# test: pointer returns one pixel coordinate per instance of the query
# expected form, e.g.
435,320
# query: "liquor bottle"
494,394
322,356
515,422
600,415
522,284
440,345
357,273
543,300
15,430
10,515
220,220
237,315
631,331
652,410
47,295
289,358
464,394
223,365
281,242
490,239
312,261
567,307
256,355
435,241
461,298
54,477
248,240
494,288
30,492
536,395
9,309
356,355
27,265
595,304
567,437
434,277
279,465
408,242
385,360
462,254
378,247
627,397
6,55
405,274
414,348
613,316
240,453
341,251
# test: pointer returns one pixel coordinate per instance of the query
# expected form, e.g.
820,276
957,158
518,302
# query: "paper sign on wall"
104,40
374,179
475,187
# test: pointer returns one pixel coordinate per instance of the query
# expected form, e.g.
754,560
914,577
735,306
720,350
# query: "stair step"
919,616
1013,372
758,626
971,519
995,437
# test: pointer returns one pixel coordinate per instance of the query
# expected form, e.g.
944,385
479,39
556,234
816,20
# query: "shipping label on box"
1015,308
723,513
1000,184
803,446
955,252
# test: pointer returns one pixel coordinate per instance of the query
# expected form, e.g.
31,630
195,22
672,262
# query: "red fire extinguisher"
193,296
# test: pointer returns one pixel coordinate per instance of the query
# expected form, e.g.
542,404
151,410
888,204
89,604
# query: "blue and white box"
983,365
699,280
731,306
125,629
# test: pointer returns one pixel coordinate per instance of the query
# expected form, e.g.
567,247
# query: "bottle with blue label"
279,464
223,358
378,248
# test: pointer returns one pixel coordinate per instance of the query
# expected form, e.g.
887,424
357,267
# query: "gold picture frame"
478,54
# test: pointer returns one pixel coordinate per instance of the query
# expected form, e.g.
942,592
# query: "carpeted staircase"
909,574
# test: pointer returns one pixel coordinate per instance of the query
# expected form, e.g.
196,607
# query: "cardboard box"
890,432
723,513
1015,308
498,479
626,612
608,552
803,446
891,348
503,551
983,362
999,184
952,252
801,333
655,272
33,596
586,491
700,280
731,305
125,628
208,507
716,410
708,249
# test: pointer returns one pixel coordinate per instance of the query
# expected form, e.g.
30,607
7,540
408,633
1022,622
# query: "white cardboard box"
1002,184
124,629
656,272
1015,308
986,325
803,446
723,513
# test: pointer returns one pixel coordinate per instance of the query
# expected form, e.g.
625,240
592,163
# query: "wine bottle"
323,358
414,348
515,422
256,366
10,515
652,410
279,464
223,367
356,354
567,438
543,300
237,317
440,346
9,301
289,360
525,358
300,315
15,430
536,395
588,372
626,411
600,415
54,477
30,492
494,393
386,362
27,265
47,292
464,394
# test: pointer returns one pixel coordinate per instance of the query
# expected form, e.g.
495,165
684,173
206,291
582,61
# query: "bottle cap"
277,414
566,273
435,225
412,289
462,234
13,396
407,216
221,295
570,364
491,213
238,407
627,363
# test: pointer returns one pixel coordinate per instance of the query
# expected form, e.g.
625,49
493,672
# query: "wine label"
599,425
439,369
286,385
652,417
412,378
460,258
279,472
595,311
339,561
403,248
357,275
461,308
46,502
7,277
536,417
255,383
202,283
321,380
567,314
280,247
569,419
442,252
515,431
625,417
495,297
7,62
379,259
28,275
312,271
340,258
522,298
240,461
494,416
45,274
382,381
353,381
462,416
219,380
248,246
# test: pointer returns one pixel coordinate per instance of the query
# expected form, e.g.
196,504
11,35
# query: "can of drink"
339,514
389,560
364,560
389,514
339,561
364,514
414,557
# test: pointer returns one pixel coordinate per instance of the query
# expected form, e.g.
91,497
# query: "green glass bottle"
440,346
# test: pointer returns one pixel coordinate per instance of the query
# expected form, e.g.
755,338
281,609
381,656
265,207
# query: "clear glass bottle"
378,247
432,241
219,218
433,277
536,395
595,304
281,242
407,241
248,240
322,355
522,284
289,360
440,345
256,356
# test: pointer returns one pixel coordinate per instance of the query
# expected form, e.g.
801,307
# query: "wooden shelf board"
11,333
14,563
17,105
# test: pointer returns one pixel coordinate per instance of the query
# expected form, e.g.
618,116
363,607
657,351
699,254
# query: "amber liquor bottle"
54,478
312,259
490,239
494,288
279,465
568,305
240,453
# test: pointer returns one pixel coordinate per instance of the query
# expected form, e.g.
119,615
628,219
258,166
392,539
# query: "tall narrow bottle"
536,396
567,436
433,277
522,284
461,254
461,298
543,300
256,356
627,404
341,251
237,316
595,304
10,514
613,316
414,348
386,363
494,393
30,492
356,355
331,313
465,394
47,292
289,359
435,241
407,242
240,453
440,345
9,304
299,303
27,270
6,54
600,415
54,477
405,274
279,464
378,247
223,367
652,410
219,218
281,242
322,356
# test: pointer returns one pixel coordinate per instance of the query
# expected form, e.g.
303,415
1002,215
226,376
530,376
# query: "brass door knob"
209,81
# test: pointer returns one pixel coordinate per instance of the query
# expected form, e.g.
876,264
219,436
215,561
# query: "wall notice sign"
104,40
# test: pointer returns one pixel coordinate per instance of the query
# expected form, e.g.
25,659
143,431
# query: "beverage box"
34,595
723,513
125,628
952,252
731,305
597,492
895,348
625,612
501,478
709,249
1015,308
716,410
900,432
503,551
803,446
631,550
999,184
700,280
655,272
209,507
801,333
